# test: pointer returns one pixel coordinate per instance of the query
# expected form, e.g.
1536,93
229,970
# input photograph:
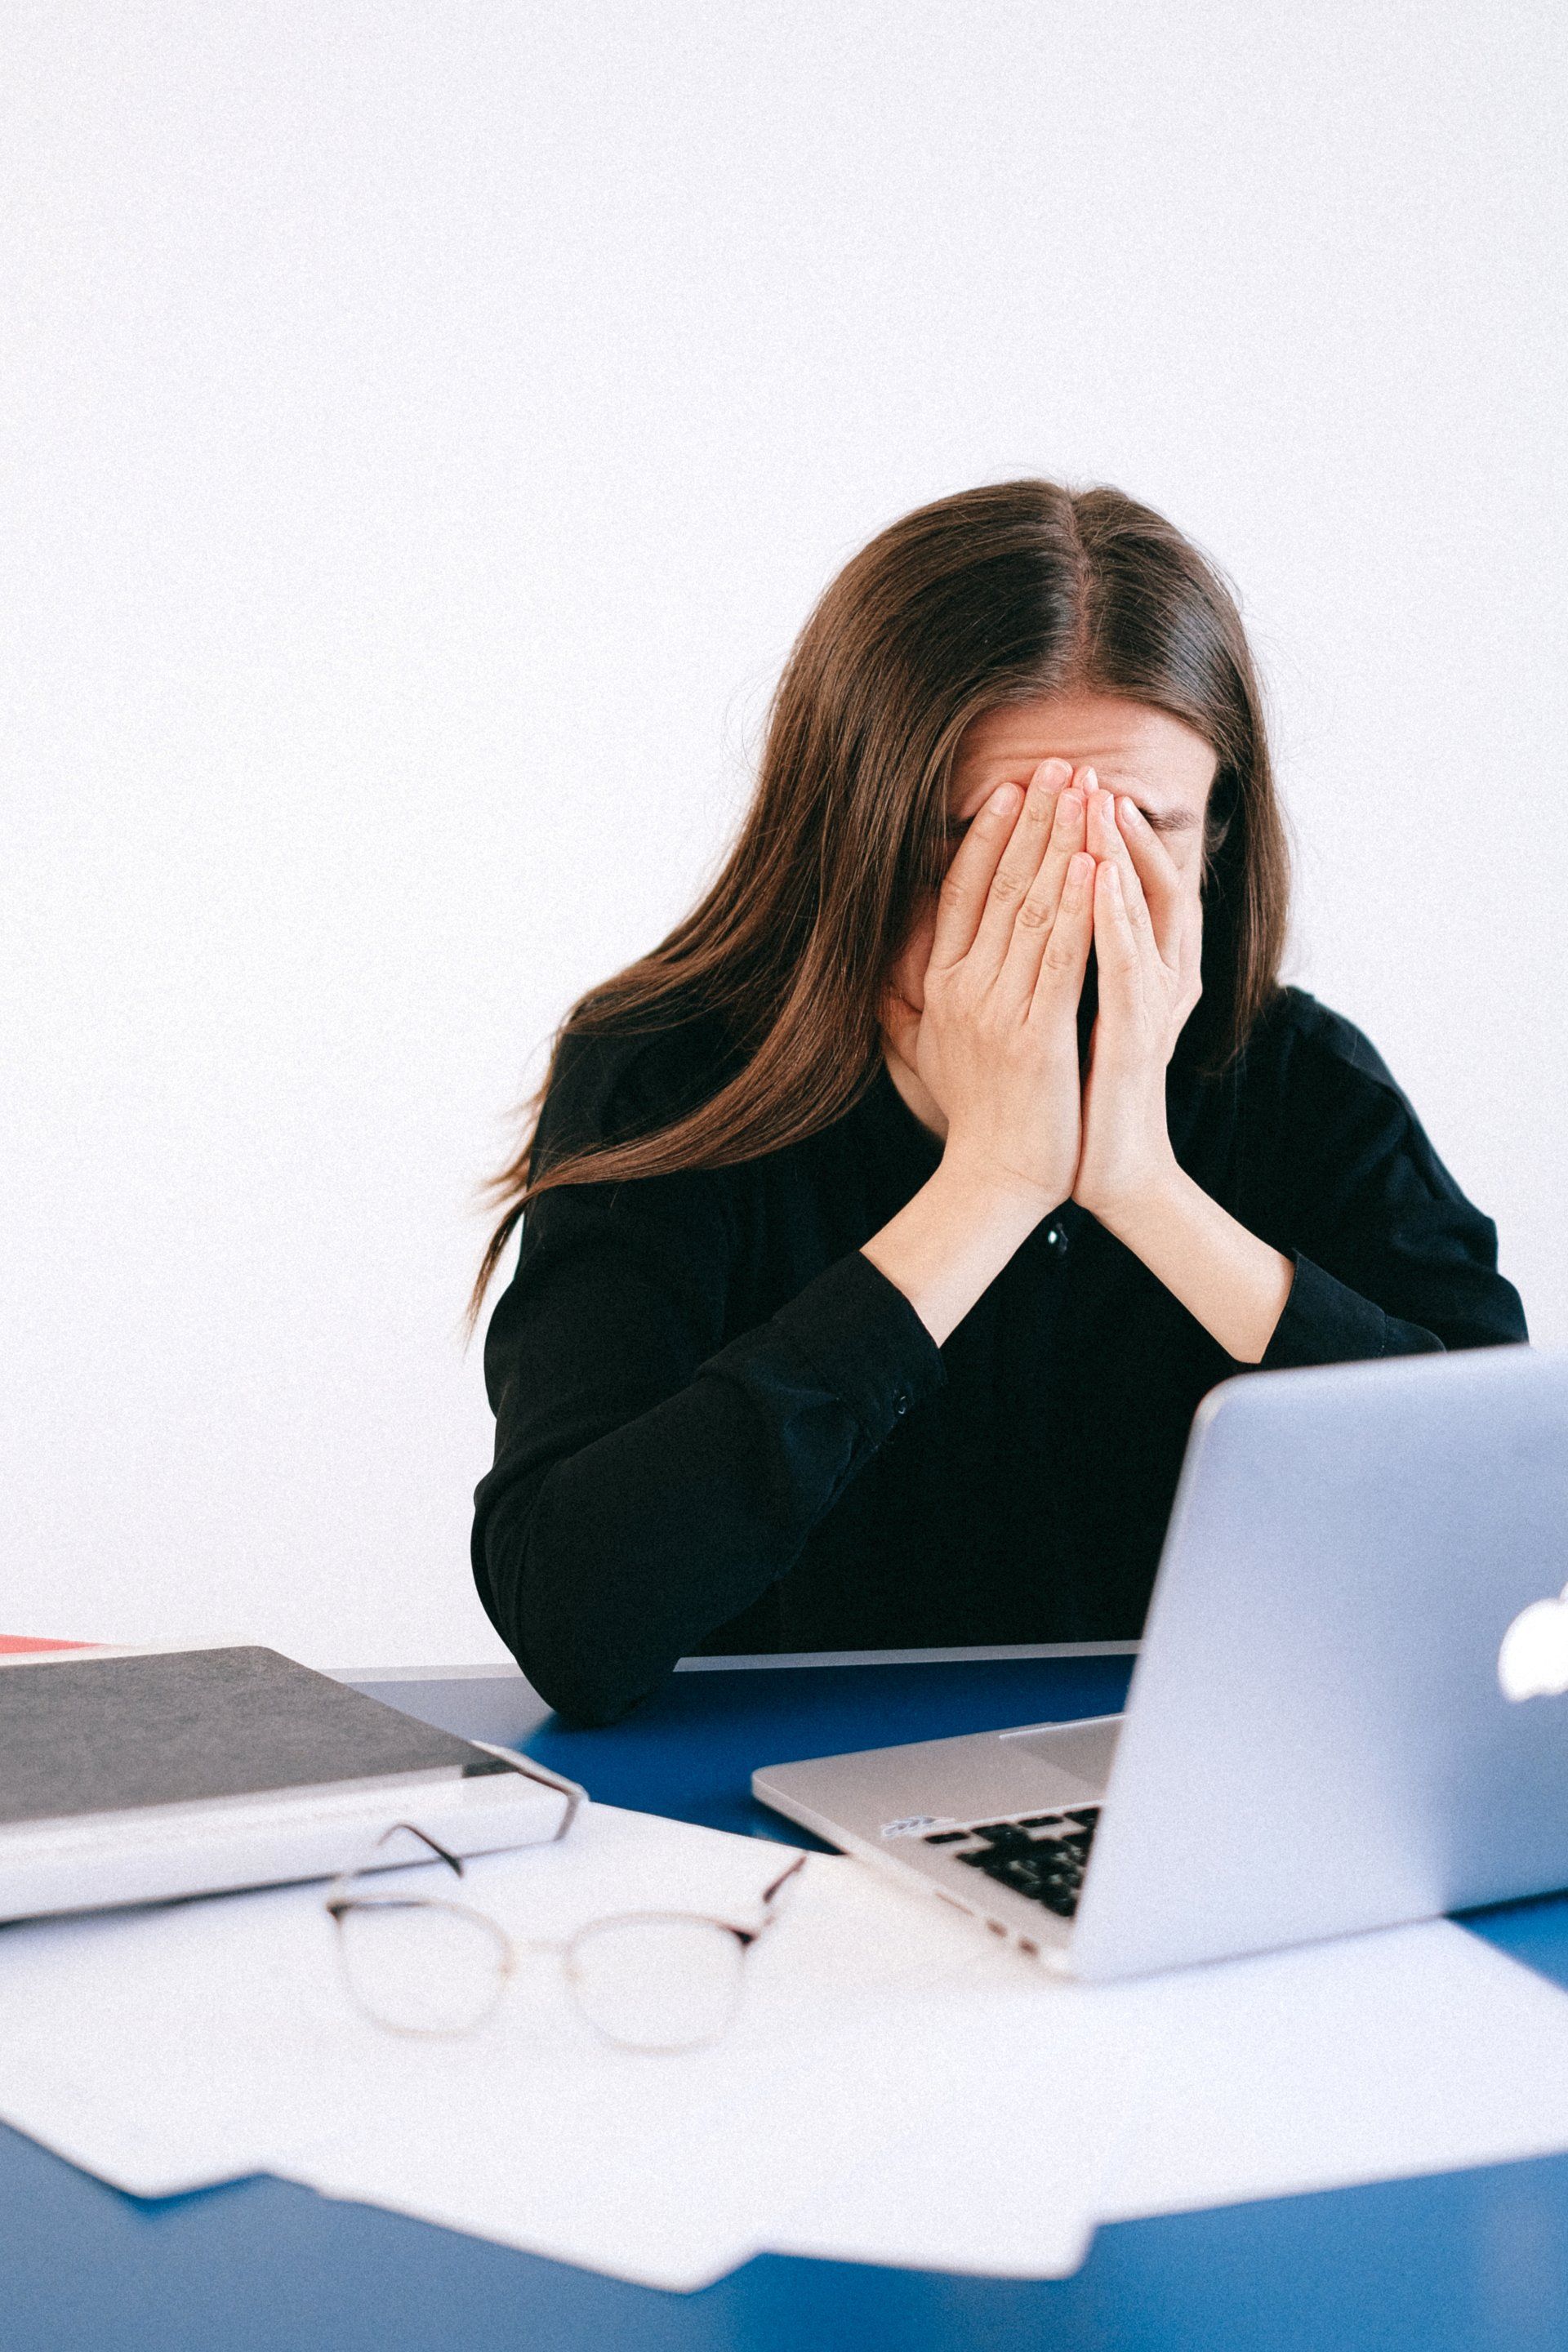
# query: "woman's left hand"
1148,938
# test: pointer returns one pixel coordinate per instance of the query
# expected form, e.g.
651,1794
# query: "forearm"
612,1564
1232,1283
602,1568
949,1242
604,1552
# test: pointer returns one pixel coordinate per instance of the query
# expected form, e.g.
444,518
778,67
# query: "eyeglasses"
647,1980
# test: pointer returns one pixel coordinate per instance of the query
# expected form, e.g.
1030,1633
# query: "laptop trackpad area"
982,1777
897,1791
1070,1752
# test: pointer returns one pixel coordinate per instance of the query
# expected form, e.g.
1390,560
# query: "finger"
1066,957
1165,892
962,899
1038,909
1019,865
1117,946
1192,951
1106,843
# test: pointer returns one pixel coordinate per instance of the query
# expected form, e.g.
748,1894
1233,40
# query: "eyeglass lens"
422,1967
656,1983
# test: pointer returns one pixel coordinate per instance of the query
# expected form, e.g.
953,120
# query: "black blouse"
719,1428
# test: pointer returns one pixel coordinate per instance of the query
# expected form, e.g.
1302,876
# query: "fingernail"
1004,797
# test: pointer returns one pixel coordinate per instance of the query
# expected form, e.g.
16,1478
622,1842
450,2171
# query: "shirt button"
1056,1239
901,1404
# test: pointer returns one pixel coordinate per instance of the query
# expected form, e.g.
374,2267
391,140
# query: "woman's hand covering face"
1039,875
1148,936
993,1055
996,1044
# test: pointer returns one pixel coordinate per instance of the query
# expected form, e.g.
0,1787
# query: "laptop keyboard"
1042,1857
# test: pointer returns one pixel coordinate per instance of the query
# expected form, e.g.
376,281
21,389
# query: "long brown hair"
998,594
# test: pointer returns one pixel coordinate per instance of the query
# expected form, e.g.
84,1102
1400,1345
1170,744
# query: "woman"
886,1225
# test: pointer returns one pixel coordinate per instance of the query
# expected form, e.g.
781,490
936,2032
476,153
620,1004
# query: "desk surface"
1455,2264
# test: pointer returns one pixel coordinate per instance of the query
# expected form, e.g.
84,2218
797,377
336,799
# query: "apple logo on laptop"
1533,1662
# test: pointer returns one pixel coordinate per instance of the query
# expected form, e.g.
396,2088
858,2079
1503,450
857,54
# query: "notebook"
130,1777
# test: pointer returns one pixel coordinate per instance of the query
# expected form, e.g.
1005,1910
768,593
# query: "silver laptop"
1350,1707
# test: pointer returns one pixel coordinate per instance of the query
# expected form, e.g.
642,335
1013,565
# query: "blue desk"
1473,2262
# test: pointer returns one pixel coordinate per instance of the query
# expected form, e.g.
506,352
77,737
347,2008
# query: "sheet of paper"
1375,2057
173,2046
861,2022
898,2089
1004,2173
203,2041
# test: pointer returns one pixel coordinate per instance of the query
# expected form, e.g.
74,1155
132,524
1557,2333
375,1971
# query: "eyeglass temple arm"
747,1937
798,1864
771,1893
531,1770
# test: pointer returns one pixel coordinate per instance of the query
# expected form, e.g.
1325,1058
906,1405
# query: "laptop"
1349,1706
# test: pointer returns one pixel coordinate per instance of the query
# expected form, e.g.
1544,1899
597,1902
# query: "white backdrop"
425,429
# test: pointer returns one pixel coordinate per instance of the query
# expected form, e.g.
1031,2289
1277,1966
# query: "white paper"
196,2042
859,2022
1004,2173
173,2046
1375,2057
899,2088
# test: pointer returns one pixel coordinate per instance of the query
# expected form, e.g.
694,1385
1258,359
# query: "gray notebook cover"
97,1734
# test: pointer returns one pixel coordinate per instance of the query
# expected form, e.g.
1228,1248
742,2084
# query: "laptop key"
1056,1890
1050,1892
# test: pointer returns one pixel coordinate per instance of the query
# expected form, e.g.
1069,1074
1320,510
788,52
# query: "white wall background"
425,427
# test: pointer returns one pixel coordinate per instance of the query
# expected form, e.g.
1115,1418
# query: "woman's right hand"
998,1041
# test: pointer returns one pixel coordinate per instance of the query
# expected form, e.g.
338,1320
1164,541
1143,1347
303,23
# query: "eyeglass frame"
512,1950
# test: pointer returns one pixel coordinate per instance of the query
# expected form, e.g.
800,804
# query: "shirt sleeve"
1390,1257
652,1479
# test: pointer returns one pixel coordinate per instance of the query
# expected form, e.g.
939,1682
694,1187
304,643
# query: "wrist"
1229,1278
987,1194
1137,1212
949,1242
